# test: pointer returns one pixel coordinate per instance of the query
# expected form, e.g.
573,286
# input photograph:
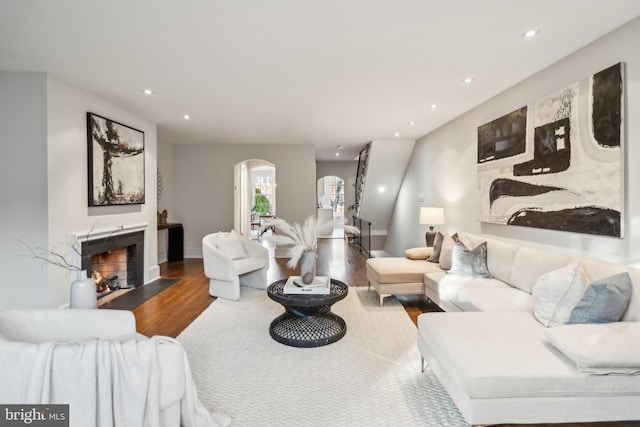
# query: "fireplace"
115,261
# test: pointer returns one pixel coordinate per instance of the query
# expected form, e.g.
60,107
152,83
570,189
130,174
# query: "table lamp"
431,217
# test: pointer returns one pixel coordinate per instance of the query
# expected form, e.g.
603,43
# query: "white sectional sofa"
497,360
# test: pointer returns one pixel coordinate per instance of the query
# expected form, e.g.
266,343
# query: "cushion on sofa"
446,252
472,298
500,257
600,348
469,262
421,253
503,354
530,263
449,286
557,292
604,301
437,247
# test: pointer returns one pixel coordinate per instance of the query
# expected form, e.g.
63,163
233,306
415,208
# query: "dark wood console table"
175,244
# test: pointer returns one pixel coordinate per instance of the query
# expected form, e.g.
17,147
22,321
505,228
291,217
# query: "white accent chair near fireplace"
231,260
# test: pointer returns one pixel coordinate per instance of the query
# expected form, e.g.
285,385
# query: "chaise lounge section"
503,349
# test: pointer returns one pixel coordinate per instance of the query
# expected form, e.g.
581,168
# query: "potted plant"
261,205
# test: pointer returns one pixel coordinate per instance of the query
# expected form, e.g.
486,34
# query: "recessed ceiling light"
468,80
530,33
337,154
412,123
434,106
381,189
186,117
397,134
148,92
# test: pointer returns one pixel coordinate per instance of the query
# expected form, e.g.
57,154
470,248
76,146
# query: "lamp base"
430,236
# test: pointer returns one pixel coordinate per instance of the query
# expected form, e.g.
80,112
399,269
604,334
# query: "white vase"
83,292
308,266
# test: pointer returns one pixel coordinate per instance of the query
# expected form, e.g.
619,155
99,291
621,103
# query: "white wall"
67,160
385,172
44,184
165,165
203,185
23,188
443,164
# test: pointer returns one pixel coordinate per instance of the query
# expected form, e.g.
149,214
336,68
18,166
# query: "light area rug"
371,377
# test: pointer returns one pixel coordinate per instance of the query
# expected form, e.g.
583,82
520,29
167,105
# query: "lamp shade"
431,216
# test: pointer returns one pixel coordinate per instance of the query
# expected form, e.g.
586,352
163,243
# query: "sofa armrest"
171,360
41,325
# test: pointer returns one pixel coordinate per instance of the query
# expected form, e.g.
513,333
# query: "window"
336,193
265,185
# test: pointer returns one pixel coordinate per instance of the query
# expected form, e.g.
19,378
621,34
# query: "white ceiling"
321,72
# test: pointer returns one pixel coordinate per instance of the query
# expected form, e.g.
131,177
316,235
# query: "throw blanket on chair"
106,383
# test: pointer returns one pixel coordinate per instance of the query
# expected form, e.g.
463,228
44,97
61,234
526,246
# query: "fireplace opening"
115,262
112,270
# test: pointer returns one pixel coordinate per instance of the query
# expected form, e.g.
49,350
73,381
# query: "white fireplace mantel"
101,233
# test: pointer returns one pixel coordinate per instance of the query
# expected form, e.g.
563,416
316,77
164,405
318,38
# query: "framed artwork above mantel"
115,161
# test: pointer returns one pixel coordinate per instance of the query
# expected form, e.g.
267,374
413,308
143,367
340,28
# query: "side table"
175,242
307,320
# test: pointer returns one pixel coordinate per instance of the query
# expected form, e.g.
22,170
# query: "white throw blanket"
106,383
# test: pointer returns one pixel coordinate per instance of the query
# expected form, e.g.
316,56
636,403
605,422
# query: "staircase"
363,160
381,168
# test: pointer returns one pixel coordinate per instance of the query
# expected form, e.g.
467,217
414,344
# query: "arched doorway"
254,195
330,195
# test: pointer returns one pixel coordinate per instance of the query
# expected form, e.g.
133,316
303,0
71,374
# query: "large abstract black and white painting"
116,162
503,137
570,177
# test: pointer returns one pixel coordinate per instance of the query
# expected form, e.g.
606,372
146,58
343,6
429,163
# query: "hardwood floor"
173,309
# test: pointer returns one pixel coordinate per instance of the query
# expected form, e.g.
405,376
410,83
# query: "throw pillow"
437,247
233,249
599,348
469,262
446,252
557,292
604,301
418,253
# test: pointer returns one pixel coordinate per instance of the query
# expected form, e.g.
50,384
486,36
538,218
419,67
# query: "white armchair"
24,334
231,260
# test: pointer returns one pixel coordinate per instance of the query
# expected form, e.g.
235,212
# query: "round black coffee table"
307,320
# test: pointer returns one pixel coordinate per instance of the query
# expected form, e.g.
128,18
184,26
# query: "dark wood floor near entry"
173,309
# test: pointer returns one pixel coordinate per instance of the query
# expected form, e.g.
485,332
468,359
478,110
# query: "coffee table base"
307,320
308,331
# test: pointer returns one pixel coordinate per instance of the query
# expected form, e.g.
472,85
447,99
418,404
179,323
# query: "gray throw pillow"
437,247
604,301
470,262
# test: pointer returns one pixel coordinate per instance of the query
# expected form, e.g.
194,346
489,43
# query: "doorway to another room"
255,196
330,194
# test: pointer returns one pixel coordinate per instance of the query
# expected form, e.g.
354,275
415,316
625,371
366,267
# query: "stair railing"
363,239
